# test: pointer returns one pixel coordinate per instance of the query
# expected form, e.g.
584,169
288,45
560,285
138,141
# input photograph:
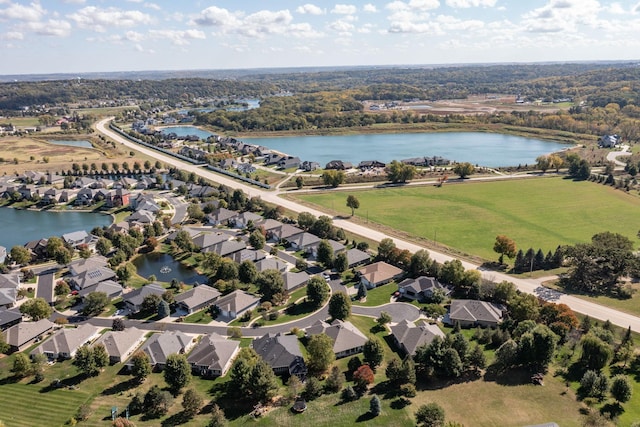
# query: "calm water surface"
152,263
82,144
187,130
18,227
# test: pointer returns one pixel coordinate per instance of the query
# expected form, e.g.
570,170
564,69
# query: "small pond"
165,268
71,143
183,131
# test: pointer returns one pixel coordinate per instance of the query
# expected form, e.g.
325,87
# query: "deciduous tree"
504,246
353,203
464,169
177,372
141,366
36,309
317,291
339,306
321,355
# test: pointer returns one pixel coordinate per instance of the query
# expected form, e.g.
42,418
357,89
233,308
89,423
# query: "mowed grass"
539,213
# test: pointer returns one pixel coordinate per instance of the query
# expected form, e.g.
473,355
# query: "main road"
531,286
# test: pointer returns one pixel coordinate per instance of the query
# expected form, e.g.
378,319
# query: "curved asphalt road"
532,286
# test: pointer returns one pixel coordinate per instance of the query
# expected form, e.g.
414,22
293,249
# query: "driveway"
398,311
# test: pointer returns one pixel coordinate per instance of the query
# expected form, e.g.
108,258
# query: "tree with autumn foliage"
363,377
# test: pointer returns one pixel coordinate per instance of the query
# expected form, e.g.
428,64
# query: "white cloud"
18,12
12,35
97,19
344,9
52,27
371,8
152,6
179,38
215,16
341,27
616,9
75,1
310,9
563,16
424,4
463,4
133,36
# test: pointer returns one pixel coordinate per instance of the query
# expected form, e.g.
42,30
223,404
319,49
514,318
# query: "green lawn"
538,213
378,296
202,316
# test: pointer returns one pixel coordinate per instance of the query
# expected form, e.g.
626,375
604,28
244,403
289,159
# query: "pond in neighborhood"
485,149
71,143
183,131
21,226
166,268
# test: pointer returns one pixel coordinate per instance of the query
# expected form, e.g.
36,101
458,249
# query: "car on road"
326,276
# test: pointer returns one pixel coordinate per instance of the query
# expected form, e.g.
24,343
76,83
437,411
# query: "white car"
326,276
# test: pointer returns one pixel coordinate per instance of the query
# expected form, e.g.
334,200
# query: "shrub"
408,390
349,394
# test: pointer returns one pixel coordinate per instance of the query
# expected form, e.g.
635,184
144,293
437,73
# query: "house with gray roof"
268,224
121,344
212,356
409,337
133,300
356,257
227,247
141,217
378,274
242,220
76,238
221,216
197,298
294,280
236,303
205,240
46,287
471,313
24,334
111,288
9,284
247,255
9,317
159,346
282,232
347,339
421,288
282,353
85,264
91,277
271,263
303,241
336,246
64,343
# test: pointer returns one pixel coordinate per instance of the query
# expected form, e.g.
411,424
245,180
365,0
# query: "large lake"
186,130
18,227
486,149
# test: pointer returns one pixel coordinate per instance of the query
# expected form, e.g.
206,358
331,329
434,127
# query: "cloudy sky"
47,36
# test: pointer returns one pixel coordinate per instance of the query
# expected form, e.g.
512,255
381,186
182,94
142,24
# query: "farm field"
539,213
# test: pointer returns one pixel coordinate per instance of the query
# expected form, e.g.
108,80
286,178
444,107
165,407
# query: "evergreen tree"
374,406
191,402
621,389
263,381
558,257
538,261
312,388
548,261
518,264
362,291
477,359
163,309
334,381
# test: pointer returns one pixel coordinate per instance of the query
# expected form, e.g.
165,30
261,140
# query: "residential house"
236,303
336,246
197,298
308,166
227,247
9,317
303,241
338,165
246,168
228,164
273,158
268,224
356,257
159,346
203,241
46,288
141,217
55,195
64,343
77,238
283,232
271,263
84,197
133,300
81,265
117,198
421,288
212,356
347,339
38,248
289,162
121,344
91,277
247,255
409,337
370,164
144,201
9,285
111,288
379,273
293,281
221,216
609,141
282,353
471,313
244,219
24,334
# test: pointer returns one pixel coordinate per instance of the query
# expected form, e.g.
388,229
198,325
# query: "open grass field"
539,213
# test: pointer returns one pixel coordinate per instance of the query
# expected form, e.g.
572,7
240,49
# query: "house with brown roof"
121,344
212,356
408,337
64,343
235,304
24,334
471,313
379,273
347,339
197,298
421,288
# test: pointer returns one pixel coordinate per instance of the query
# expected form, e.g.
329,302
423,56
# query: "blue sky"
71,36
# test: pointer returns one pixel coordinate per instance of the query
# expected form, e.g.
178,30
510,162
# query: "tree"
294,386
363,377
141,366
384,318
385,249
270,283
217,417
555,162
4,347
86,361
334,381
477,360
20,255
306,220
325,253
312,388
163,309
430,415
247,272
595,352
177,372
464,169
257,240
373,353
157,402
95,303
362,291
504,246
333,178
62,288
21,365
507,355
195,212
36,309
353,203
374,406
263,381
341,262
299,182
421,264
339,306
400,172
621,389
184,241
125,272
317,291
323,227
543,163
192,402
150,303
321,355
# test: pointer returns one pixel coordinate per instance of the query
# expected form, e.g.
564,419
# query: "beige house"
378,274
